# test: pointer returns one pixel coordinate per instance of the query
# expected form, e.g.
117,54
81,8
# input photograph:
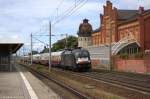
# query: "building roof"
85,29
10,40
147,11
10,44
124,15
96,30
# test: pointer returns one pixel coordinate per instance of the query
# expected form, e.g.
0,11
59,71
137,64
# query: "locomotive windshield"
82,54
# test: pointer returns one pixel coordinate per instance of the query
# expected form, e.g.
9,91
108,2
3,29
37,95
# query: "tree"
61,44
72,42
45,50
33,53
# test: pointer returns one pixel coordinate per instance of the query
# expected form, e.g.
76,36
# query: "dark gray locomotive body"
76,59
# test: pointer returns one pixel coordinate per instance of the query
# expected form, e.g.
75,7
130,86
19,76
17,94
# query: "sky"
20,18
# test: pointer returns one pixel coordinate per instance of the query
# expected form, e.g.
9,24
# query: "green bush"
124,56
39,68
139,55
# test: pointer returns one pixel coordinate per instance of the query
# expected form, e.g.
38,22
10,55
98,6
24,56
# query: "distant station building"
8,46
128,26
85,34
126,30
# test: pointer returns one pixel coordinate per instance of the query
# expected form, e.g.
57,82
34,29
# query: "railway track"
121,80
136,77
66,87
115,83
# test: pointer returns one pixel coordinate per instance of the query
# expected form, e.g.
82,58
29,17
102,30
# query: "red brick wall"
103,37
132,65
129,29
96,38
95,63
110,15
147,64
147,32
140,30
98,64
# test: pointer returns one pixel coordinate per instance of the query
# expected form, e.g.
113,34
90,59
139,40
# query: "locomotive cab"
82,58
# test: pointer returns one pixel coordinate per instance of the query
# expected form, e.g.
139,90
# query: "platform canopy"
10,44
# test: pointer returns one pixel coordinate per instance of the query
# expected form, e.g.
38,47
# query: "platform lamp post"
66,40
31,55
23,54
50,46
110,46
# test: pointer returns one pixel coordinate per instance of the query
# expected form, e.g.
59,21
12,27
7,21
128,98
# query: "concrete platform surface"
21,84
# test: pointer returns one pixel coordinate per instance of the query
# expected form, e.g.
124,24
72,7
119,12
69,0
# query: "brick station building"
123,23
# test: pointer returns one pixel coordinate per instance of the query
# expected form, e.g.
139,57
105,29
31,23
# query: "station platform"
21,84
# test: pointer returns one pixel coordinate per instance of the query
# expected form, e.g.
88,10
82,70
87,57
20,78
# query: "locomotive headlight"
89,61
79,60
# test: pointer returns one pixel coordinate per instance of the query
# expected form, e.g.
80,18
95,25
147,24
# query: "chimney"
101,18
115,11
141,10
115,8
85,20
108,3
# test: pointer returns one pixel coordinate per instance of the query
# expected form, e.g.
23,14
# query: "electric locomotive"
74,59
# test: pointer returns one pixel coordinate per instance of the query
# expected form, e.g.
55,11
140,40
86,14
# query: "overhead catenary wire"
38,31
77,5
45,29
40,41
61,2
43,41
69,12
62,16
70,8
57,7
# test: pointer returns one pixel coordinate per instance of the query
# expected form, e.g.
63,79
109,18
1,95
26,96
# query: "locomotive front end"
83,60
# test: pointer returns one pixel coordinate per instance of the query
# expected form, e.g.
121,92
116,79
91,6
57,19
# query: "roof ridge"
127,10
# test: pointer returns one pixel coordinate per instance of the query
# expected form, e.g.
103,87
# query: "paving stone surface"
12,85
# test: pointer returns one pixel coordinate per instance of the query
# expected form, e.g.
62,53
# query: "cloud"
23,17
132,4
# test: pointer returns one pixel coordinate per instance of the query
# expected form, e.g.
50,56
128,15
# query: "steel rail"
124,84
70,89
